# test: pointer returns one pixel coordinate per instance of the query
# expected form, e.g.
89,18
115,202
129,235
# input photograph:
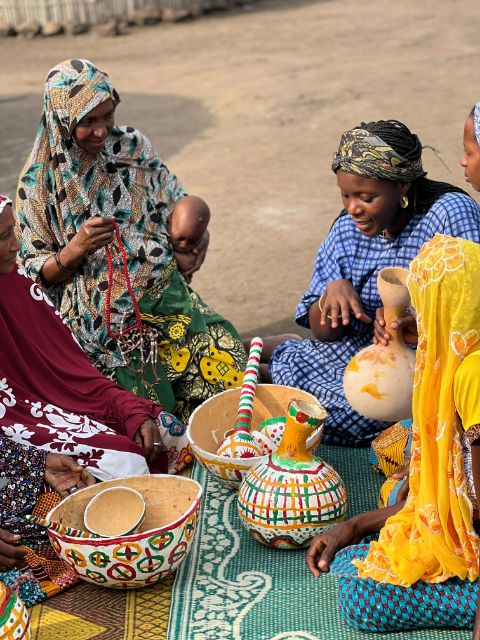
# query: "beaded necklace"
138,326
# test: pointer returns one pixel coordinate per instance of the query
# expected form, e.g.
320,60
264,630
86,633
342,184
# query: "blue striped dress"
346,253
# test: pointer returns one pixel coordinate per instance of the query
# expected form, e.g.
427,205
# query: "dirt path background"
247,108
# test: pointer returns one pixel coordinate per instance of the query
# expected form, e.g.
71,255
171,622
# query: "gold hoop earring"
404,202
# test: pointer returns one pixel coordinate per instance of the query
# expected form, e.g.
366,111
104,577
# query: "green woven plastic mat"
231,587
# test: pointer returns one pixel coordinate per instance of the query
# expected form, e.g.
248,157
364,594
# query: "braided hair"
423,192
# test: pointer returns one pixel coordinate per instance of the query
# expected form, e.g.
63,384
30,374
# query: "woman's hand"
95,232
148,437
10,555
339,301
407,324
325,546
64,475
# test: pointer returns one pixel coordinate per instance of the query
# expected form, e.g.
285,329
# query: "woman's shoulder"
454,202
467,390
455,214
129,141
470,366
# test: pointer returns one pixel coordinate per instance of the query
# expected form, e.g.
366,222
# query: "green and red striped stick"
60,528
240,443
243,420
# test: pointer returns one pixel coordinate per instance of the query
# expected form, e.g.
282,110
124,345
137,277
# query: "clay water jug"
378,381
289,497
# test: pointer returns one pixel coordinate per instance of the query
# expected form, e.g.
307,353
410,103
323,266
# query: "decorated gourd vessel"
289,497
378,381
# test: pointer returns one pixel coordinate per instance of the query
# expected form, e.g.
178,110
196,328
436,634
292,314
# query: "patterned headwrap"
365,154
432,537
4,201
476,121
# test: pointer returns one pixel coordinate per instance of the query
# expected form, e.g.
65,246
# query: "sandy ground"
247,108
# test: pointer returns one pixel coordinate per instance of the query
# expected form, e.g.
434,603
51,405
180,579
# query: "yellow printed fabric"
467,391
432,537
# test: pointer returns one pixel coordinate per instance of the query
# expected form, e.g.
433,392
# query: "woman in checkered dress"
389,210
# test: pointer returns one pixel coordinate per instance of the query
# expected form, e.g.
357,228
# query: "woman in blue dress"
390,209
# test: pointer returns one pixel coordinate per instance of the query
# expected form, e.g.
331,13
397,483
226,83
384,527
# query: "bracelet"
320,305
60,266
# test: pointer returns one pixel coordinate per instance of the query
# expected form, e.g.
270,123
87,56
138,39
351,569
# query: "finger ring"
157,444
72,489
320,305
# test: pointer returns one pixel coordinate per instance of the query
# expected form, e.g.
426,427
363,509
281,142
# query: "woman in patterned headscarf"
93,200
427,555
390,210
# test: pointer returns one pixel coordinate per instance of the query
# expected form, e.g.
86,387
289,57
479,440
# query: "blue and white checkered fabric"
346,253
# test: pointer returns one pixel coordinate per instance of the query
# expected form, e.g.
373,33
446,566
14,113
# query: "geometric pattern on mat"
230,587
87,612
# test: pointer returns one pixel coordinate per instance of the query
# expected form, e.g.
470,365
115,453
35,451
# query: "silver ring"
72,489
157,444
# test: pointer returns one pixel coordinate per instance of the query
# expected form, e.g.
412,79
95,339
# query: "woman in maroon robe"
52,398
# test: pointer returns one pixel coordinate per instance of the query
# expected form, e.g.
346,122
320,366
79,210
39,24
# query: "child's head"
188,222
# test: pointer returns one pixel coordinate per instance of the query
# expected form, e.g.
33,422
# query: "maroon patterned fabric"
52,397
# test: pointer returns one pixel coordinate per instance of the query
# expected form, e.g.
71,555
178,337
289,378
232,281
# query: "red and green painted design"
285,500
132,561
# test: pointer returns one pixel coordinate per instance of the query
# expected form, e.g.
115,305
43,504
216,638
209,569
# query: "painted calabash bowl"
212,420
140,559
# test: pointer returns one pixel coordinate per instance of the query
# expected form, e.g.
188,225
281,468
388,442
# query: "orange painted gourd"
378,381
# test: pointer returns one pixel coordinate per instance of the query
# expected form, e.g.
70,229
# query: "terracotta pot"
289,497
140,559
210,422
378,381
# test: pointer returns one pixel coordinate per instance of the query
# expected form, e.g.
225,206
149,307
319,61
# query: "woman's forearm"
373,521
60,266
95,233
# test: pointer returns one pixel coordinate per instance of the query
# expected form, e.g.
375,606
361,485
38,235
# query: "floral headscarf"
62,185
432,537
365,154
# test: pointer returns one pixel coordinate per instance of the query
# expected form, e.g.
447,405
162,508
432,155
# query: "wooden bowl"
210,422
116,511
139,559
